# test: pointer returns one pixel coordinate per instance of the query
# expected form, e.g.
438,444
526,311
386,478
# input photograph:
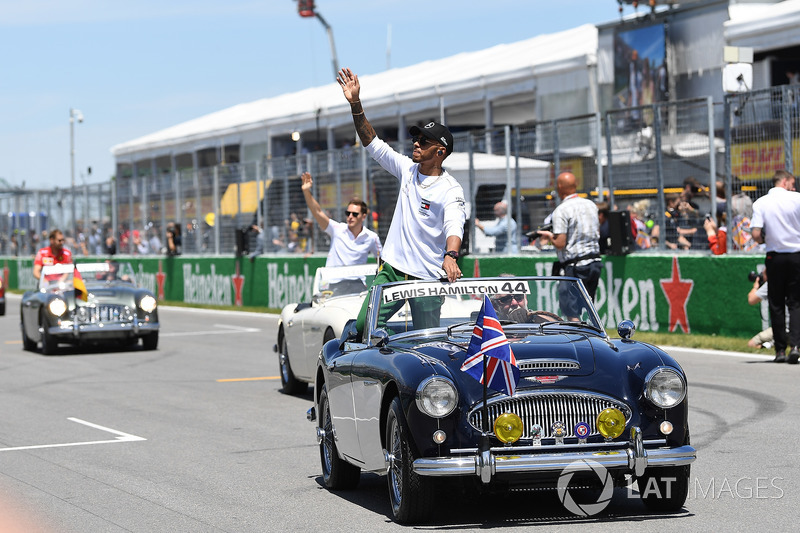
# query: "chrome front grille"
103,313
545,408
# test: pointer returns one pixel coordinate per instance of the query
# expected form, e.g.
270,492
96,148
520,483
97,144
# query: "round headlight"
508,428
437,396
611,423
58,307
664,387
148,304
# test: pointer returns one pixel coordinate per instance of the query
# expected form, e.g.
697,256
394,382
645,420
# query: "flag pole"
484,442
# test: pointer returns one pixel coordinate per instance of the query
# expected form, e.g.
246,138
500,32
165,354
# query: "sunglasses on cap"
422,141
352,213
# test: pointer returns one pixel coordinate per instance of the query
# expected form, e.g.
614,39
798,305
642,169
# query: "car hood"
561,360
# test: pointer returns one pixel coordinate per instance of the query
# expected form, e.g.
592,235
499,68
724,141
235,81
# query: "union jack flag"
488,339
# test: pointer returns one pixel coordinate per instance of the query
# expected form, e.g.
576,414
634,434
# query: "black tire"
289,383
49,344
329,336
27,343
2,308
150,342
664,489
336,473
411,495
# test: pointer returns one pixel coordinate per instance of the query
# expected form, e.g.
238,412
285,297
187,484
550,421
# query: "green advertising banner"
667,293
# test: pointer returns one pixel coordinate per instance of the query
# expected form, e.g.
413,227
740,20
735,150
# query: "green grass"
709,342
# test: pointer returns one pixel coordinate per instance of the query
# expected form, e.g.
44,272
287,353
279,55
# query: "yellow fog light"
611,423
508,428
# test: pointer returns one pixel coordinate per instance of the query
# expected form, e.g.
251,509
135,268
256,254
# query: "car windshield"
531,301
60,277
342,281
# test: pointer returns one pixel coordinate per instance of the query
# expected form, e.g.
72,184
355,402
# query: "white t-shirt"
348,249
429,210
778,214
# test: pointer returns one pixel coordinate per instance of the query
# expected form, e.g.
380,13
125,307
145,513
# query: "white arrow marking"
122,437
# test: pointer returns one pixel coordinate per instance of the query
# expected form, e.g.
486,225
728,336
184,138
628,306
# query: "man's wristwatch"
452,253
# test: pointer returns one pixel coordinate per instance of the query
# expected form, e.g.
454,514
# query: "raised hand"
307,181
349,83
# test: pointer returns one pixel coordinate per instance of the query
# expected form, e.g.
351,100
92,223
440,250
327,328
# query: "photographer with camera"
576,236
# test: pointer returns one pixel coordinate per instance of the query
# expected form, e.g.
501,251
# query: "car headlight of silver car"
148,304
57,306
664,387
437,396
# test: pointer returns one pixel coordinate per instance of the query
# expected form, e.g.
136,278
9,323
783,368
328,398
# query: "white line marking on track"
706,351
122,437
227,328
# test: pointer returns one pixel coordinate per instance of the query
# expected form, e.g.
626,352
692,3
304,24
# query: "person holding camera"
576,236
776,223
173,239
758,293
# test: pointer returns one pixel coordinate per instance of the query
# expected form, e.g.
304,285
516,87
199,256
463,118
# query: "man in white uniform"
428,223
351,242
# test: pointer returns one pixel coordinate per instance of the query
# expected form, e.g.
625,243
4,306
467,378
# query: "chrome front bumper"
632,456
110,330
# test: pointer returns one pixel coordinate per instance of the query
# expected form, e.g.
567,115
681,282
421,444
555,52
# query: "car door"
367,383
340,396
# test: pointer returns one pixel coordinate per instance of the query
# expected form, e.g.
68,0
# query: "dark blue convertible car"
585,408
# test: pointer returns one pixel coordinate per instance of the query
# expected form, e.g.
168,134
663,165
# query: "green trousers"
424,311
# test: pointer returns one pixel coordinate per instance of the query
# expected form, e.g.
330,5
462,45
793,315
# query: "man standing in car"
55,254
575,236
428,224
351,242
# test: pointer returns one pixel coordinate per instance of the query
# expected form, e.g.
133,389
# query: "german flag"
80,287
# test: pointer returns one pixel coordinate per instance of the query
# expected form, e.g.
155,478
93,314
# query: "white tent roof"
492,72
764,26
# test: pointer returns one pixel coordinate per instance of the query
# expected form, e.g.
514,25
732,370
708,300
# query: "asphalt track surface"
196,436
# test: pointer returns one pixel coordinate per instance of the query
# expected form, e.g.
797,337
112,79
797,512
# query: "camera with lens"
753,275
535,234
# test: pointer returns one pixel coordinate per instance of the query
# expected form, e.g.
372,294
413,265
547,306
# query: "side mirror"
625,329
349,332
301,306
379,338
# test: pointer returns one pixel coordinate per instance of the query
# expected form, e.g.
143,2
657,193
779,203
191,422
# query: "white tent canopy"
764,26
505,70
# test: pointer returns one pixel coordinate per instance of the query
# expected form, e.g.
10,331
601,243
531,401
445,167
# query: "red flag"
80,287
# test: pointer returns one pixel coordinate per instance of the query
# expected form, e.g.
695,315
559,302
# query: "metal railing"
622,157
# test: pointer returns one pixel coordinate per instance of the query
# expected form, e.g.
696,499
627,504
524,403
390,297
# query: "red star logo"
238,284
677,292
160,278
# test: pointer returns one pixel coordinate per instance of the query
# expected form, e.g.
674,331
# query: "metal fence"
636,159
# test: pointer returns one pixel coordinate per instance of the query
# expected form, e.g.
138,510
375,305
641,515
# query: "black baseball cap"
435,132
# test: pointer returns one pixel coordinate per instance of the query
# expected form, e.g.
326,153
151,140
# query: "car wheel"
27,343
336,473
411,495
664,489
289,383
329,336
2,309
49,344
150,341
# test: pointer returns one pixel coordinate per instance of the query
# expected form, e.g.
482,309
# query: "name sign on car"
458,288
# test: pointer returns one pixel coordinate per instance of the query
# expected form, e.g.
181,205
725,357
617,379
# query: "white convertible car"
303,328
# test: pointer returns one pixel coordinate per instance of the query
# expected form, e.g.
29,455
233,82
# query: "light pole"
74,114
